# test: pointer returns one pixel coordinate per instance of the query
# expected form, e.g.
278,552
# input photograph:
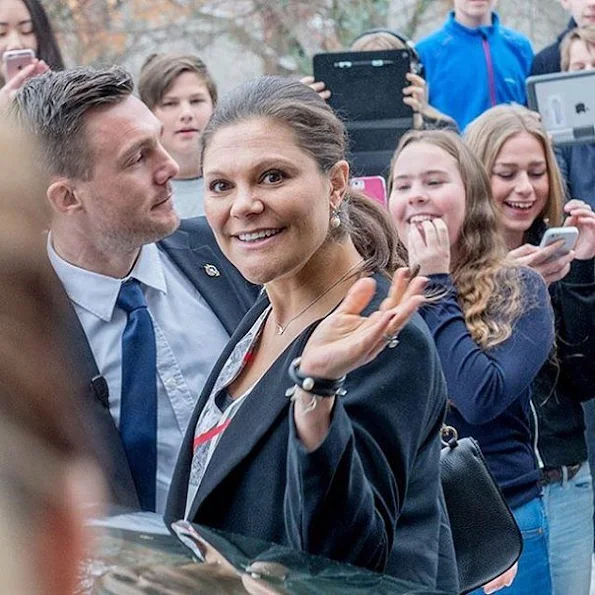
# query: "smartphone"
16,60
372,186
554,234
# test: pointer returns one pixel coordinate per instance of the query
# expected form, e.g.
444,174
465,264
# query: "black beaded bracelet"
323,387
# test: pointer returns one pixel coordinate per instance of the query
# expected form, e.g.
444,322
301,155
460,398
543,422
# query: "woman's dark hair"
47,46
318,132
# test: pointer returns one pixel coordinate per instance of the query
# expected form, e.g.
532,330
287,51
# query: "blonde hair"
584,34
486,135
377,40
488,286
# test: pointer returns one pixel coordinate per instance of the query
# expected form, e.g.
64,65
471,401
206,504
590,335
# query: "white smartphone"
16,60
554,234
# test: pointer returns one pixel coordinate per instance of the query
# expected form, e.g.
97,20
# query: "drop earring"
335,219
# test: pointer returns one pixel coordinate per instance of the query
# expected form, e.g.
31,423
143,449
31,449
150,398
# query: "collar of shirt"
98,293
483,30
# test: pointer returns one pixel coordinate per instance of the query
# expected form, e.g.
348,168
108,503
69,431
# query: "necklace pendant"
280,329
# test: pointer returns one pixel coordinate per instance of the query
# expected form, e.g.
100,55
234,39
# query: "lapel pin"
211,270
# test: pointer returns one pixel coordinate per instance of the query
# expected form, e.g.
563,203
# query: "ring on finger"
391,340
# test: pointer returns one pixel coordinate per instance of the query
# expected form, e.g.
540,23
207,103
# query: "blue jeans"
589,409
533,576
569,509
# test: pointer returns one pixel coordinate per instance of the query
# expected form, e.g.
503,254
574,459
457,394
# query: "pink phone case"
372,186
16,62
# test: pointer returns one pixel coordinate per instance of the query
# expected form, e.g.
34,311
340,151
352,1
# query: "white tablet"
566,102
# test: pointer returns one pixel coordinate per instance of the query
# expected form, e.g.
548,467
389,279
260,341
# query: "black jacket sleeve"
345,499
573,300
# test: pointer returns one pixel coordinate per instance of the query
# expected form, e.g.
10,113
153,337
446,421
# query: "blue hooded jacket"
470,70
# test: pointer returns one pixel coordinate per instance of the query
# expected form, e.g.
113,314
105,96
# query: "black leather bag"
486,538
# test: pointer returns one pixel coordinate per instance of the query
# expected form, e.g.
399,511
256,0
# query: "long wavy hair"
488,285
486,135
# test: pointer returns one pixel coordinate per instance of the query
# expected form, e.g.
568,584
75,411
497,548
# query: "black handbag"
486,537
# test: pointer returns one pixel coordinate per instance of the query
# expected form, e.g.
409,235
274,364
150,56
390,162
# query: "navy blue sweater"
489,390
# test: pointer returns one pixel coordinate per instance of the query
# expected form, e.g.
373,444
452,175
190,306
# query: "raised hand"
346,340
318,86
18,80
416,93
428,246
581,215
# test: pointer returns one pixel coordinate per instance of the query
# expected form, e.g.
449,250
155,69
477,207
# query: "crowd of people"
203,319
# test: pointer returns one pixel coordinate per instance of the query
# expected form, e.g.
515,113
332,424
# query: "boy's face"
474,10
581,56
582,11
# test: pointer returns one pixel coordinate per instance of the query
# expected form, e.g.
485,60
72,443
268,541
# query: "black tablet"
366,85
367,94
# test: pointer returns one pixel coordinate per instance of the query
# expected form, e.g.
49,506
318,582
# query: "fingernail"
414,272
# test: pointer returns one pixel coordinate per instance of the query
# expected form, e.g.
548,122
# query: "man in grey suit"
149,315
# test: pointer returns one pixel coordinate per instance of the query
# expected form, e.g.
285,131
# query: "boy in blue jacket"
473,63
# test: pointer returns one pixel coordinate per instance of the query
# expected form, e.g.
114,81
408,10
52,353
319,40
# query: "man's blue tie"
138,411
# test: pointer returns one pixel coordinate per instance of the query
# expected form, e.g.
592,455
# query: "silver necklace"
282,328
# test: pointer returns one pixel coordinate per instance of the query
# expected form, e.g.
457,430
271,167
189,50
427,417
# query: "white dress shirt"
188,335
188,197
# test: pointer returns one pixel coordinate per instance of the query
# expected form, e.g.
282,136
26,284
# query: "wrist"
434,269
319,385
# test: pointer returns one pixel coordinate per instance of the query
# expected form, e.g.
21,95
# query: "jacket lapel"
266,403
212,275
102,431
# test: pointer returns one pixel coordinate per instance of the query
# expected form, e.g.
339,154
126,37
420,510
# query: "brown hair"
486,135
54,107
42,430
160,71
318,132
488,287
377,40
584,34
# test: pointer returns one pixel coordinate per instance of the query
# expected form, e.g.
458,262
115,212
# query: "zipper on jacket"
536,437
491,78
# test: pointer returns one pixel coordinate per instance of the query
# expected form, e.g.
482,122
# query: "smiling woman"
491,322
350,459
516,152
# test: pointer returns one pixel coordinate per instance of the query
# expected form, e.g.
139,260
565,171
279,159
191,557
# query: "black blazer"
368,495
194,251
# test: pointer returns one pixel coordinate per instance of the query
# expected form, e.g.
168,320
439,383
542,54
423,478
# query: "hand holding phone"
16,60
7,92
554,234
543,260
